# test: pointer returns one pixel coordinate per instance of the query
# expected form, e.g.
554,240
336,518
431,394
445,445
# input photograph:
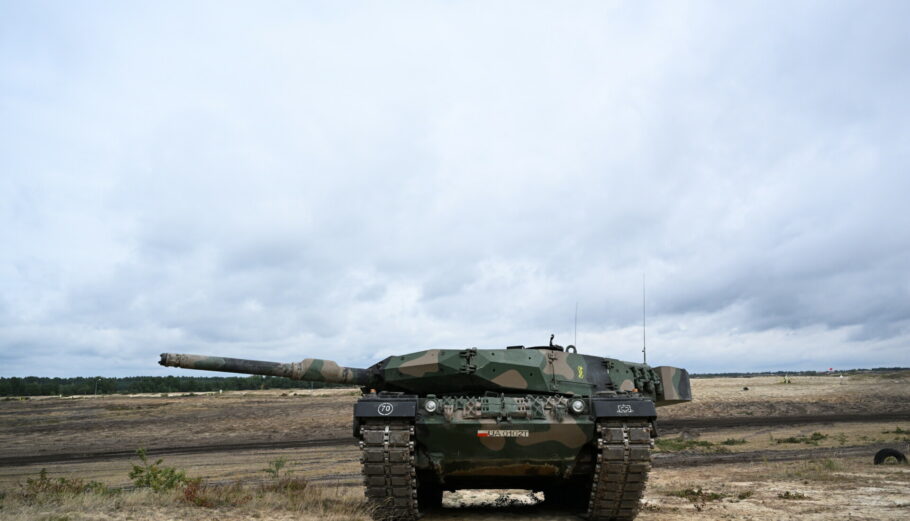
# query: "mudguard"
384,406
620,407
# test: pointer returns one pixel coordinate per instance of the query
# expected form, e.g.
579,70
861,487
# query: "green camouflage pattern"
500,417
442,371
472,438
310,369
527,370
675,386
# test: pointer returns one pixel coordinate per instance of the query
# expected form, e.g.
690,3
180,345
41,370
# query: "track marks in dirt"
668,427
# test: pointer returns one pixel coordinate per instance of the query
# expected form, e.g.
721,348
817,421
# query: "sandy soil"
768,396
838,483
813,490
99,424
53,425
855,489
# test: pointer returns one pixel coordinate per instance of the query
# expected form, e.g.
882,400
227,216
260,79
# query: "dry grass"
166,490
683,445
819,470
108,423
766,396
279,500
824,489
832,488
821,490
811,435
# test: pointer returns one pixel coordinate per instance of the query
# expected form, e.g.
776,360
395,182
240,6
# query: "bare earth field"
774,451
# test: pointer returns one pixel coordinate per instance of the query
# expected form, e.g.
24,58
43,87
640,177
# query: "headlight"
430,405
577,406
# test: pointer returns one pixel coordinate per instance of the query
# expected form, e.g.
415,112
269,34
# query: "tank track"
621,469
389,475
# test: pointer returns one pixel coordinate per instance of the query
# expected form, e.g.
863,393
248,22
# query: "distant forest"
801,373
43,386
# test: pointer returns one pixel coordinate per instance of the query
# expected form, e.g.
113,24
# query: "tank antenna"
644,344
576,325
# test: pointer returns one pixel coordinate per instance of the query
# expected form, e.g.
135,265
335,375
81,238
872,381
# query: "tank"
580,428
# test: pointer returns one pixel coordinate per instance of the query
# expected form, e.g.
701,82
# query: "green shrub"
733,441
275,467
155,476
283,483
697,495
812,439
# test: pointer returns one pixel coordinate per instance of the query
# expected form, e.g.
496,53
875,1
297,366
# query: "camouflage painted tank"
577,427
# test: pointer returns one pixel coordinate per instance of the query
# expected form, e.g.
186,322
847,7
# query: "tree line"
800,373
44,386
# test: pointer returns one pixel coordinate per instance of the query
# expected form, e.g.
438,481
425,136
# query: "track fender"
623,407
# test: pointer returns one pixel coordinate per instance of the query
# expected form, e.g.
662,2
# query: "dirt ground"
110,423
738,463
805,395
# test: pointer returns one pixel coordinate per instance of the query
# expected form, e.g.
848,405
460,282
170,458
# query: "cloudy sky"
280,181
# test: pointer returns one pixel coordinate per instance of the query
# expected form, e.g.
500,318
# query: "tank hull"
551,443
487,452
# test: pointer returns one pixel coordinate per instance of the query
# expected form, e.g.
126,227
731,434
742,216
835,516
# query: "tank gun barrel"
310,369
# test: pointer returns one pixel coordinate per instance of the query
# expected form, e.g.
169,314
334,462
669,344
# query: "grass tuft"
276,468
746,494
814,470
46,498
696,495
199,494
812,439
44,489
679,445
792,495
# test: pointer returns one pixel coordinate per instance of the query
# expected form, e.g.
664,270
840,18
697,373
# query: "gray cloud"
354,183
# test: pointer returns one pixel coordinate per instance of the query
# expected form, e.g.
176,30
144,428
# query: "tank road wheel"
621,470
387,454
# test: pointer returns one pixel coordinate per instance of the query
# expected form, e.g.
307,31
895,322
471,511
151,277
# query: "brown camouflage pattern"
453,370
449,438
503,418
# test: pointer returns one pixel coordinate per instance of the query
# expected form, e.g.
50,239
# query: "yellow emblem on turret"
581,372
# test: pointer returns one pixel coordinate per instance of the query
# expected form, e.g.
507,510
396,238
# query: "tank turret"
442,371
